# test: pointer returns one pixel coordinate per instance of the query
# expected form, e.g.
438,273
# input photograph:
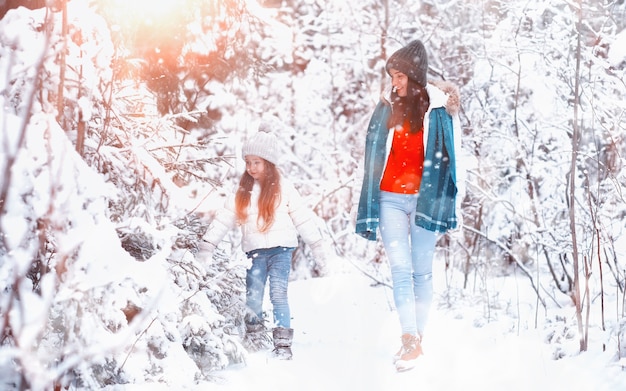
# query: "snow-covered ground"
346,333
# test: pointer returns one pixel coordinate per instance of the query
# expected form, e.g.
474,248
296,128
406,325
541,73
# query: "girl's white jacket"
292,218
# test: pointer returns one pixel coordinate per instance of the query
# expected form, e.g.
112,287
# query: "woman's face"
399,81
255,166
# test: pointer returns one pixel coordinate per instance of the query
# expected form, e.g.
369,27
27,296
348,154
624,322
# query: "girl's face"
399,81
255,166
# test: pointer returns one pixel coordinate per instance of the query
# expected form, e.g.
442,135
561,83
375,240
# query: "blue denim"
410,251
274,263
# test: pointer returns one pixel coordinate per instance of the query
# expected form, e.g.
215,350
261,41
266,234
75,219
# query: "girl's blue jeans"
410,251
275,264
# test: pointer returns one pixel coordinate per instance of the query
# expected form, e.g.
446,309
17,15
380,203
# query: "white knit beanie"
263,144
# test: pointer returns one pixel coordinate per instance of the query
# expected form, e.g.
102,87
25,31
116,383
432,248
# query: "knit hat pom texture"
262,144
412,60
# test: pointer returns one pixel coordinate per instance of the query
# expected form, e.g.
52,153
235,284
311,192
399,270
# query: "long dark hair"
411,108
269,198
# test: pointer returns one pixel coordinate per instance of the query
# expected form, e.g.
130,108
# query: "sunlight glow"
147,11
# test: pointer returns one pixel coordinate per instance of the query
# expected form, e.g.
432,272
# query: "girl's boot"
256,337
282,343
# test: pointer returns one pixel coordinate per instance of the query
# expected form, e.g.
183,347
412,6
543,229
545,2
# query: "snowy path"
346,334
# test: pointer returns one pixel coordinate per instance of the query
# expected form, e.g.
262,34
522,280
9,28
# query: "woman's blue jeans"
410,251
275,264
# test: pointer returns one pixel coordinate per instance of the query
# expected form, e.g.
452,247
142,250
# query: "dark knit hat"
263,144
412,60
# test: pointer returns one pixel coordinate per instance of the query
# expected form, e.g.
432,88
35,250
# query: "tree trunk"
576,296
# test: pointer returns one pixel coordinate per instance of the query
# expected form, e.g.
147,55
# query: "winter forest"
121,130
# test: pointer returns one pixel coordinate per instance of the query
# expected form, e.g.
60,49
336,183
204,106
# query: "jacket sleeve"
223,222
435,210
307,223
460,169
368,212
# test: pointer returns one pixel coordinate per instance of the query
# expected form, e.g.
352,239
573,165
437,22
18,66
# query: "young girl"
410,185
271,215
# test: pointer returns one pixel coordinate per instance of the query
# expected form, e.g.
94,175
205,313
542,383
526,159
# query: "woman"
409,189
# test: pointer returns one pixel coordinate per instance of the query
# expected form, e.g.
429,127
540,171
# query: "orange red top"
403,173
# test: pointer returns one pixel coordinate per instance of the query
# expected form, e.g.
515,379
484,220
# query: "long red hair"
269,197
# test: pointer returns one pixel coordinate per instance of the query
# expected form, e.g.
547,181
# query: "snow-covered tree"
120,134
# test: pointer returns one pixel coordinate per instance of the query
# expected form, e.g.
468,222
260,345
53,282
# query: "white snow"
346,329
617,53
346,332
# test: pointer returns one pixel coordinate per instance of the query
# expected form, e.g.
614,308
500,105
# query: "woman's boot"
411,349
